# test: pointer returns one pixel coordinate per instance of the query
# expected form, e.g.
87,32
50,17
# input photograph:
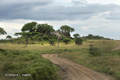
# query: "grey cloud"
47,10
9,2
79,2
114,15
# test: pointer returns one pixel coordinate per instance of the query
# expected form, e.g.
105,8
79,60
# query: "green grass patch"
25,65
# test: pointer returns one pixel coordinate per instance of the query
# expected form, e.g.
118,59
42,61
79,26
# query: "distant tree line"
90,36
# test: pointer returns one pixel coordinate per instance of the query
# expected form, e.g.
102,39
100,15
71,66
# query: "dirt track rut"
73,71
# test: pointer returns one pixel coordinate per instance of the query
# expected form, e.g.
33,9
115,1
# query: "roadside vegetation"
25,65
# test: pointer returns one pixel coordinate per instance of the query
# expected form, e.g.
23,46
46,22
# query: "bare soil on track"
74,71
117,48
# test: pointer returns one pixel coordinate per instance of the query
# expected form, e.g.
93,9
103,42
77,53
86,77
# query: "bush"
8,66
66,40
94,51
25,62
78,41
52,42
42,73
3,51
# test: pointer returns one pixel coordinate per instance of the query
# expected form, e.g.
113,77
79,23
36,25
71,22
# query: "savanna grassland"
22,58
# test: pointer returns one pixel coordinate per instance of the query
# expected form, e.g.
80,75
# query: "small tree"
8,37
76,35
66,40
78,41
52,42
26,36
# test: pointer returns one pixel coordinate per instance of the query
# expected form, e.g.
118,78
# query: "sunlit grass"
46,46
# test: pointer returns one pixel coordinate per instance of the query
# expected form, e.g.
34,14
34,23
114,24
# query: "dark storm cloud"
48,10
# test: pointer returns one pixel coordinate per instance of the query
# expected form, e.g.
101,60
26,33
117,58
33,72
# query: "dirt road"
73,71
116,48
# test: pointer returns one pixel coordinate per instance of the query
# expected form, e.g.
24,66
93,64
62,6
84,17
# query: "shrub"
16,52
8,66
66,40
3,51
94,51
78,41
52,42
42,73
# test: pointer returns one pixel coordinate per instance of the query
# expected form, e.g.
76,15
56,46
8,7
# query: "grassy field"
107,62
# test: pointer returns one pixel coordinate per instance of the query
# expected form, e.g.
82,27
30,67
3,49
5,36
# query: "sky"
97,17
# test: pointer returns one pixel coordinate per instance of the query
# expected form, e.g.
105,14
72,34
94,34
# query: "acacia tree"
78,39
28,30
2,31
66,30
45,30
76,35
26,35
59,36
8,37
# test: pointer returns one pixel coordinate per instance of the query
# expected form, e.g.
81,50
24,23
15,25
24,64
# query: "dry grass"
46,46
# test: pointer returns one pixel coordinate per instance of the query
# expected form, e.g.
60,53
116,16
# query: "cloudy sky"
98,17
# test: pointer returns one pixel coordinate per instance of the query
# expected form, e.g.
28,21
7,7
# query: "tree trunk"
26,41
58,42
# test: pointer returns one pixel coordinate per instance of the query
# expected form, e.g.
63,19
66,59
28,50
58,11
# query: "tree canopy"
44,28
26,35
2,31
8,37
76,35
30,27
66,40
66,30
